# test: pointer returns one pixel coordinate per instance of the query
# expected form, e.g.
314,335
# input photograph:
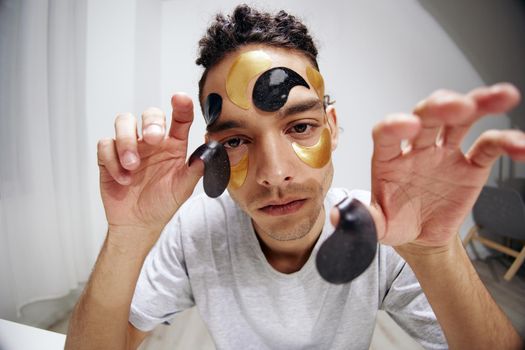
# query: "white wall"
377,57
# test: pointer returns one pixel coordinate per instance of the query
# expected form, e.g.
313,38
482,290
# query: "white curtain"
46,241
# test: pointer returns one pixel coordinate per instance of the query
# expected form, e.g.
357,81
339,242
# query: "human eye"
302,129
233,143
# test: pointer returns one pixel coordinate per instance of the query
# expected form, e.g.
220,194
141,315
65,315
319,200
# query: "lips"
282,207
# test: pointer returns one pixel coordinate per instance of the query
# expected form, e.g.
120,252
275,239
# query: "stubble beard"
289,229
284,231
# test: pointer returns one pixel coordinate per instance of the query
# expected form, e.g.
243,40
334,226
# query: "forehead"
280,57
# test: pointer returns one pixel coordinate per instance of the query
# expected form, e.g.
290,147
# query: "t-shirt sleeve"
163,287
406,303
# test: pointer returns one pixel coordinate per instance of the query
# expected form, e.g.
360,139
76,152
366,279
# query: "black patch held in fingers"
212,108
216,167
272,88
349,251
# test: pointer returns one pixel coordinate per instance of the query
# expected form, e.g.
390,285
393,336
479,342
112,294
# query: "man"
246,259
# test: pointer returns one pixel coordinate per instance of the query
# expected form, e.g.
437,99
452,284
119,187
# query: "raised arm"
422,193
468,315
143,182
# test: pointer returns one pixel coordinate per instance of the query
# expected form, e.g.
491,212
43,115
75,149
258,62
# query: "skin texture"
276,174
143,181
420,196
270,93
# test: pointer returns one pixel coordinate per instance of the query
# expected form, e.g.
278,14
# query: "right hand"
144,181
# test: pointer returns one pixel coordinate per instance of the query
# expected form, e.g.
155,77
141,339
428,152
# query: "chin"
288,228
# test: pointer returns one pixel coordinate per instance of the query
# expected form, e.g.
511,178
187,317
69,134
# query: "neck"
290,256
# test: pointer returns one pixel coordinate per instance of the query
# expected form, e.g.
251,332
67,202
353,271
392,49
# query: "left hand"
421,194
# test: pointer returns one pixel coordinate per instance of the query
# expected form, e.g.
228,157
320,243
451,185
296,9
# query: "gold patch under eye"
318,155
245,67
316,80
238,173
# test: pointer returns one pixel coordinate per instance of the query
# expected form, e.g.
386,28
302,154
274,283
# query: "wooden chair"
499,211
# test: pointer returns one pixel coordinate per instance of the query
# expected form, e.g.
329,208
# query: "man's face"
281,192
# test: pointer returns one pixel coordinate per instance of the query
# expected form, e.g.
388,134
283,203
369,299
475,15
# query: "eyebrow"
300,107
219,126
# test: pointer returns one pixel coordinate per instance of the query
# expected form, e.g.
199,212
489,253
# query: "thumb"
375,211
189,179
216,167
196,168
194,172
334,216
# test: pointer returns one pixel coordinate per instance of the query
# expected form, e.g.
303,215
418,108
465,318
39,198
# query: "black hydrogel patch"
272,88
216,167
212,108
349,251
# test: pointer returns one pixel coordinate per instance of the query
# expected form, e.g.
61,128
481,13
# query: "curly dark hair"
247,25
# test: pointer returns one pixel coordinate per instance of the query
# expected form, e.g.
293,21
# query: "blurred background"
68,67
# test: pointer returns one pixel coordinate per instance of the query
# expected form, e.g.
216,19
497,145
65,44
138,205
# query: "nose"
275,165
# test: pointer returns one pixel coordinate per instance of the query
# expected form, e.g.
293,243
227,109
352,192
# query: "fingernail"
445,99
154,129
181,105
420,106
129,158
497,88
519,143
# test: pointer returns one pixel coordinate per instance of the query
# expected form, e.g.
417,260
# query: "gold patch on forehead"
238,173
244,69
318,155
316,80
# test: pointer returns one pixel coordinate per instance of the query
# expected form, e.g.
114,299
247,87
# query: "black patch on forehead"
272,88
212,108
216,167
349,251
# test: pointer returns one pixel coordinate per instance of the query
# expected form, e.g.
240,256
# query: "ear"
331,117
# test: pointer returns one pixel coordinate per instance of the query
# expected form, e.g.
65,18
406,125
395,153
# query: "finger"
126,140
190,179
377,216
110,167
443,108
153,125
389,133
195,171
182,116
496,99
493,143
334,216
454,135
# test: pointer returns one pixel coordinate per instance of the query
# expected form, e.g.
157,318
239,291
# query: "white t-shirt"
209,256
